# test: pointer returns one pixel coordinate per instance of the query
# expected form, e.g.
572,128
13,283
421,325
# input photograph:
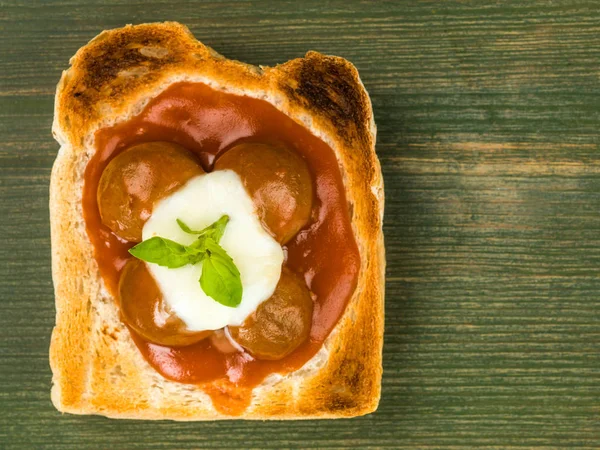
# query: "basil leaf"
165,252
220,277
197,253
199,245
214,248
214,231
185,228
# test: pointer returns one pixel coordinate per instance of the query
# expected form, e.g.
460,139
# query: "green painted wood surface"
489,121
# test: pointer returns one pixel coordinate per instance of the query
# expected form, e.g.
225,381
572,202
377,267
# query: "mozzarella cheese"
258,257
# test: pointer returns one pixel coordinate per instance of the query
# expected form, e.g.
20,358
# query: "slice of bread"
97,369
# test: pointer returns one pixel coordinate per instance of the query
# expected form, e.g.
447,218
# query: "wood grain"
489,119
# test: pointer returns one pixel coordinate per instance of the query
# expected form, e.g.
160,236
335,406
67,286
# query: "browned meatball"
281,323
135,179
279,182
144,310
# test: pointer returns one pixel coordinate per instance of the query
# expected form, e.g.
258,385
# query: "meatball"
145,311
136,178
279,182
281,323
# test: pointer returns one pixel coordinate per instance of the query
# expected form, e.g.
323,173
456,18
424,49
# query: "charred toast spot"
351,371
341,398
154,52
328,85
134,72
344,388
341,403
118,63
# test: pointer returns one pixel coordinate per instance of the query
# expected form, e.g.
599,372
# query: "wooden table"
489,122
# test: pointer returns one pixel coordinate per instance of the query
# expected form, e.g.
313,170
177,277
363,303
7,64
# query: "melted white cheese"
258,257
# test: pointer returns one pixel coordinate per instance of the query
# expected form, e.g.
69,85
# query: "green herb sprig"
220,278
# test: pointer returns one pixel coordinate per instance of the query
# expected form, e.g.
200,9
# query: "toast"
96,366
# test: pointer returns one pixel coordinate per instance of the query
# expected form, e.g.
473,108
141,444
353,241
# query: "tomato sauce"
208,122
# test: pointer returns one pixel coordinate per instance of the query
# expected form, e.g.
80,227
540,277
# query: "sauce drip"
208,122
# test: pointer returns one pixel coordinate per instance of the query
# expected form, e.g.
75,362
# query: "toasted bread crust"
97,369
